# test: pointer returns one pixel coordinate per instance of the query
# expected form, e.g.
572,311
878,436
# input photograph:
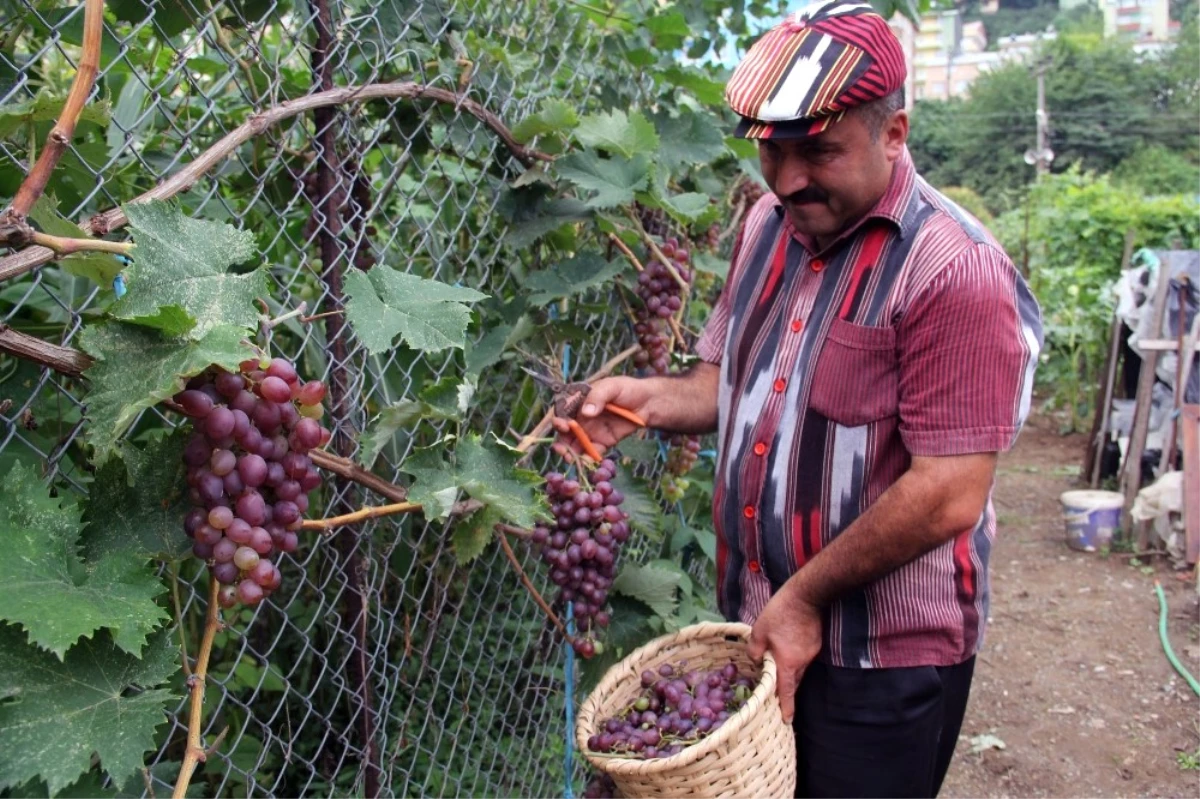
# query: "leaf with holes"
180,281
99,267
614,180
136,367
573,276
427,315
616,132
655,587
55,715
54,595
137,503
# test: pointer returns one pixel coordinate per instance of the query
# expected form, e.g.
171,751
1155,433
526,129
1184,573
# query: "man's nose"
792,176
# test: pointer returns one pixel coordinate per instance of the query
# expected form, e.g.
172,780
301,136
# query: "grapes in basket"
676,708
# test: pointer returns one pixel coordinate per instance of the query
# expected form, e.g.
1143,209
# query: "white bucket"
1091,518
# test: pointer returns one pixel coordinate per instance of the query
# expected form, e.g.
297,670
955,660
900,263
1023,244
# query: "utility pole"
1041,156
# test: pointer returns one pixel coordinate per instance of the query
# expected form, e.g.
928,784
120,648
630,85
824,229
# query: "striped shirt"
912,334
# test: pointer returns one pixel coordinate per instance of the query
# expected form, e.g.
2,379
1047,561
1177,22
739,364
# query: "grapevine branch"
64,129
529,586
65,360
183,180
196,752
327,526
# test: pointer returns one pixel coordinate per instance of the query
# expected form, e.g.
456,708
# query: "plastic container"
1091,518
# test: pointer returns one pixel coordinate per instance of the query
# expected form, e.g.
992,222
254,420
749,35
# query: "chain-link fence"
381,665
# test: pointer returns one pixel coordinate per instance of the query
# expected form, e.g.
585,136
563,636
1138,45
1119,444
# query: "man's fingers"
785,689
756,647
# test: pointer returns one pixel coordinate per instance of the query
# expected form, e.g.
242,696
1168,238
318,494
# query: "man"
871,353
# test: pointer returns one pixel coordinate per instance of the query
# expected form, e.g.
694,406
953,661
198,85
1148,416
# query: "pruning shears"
568,399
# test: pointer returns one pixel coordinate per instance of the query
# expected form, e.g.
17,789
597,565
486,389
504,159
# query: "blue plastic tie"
119,285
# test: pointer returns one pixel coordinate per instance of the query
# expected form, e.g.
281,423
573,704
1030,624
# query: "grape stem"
529,586
628,253
268,323
327,526
196,753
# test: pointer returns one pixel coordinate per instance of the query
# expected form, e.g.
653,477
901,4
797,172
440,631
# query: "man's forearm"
918,513
686,403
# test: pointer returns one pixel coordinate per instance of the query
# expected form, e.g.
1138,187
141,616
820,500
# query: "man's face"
828,181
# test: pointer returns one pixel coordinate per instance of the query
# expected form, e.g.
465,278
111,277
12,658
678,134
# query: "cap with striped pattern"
805,73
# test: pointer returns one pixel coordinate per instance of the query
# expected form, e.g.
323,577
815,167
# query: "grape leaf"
179,281
705,89
653,586
639,450
394,418
45,108
711,264
98,267
554,116
486,473
137,367
497,341
644,512
617,133
705,539
668,30
689,138
426,314
65,711
572,277
472,534
613,179
691,207
547,218
50,592
136,504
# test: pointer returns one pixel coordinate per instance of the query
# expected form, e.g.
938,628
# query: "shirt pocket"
857,375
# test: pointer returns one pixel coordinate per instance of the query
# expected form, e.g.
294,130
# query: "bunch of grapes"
654,220
748,192
675,709
581,546
709,239
681,456
661,297
249,474
600,786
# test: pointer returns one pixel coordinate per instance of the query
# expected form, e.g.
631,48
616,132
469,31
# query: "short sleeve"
968,346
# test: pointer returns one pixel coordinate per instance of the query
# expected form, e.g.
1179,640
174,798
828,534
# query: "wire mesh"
380,664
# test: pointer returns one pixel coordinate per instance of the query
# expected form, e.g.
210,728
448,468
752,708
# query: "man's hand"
790,628
606,429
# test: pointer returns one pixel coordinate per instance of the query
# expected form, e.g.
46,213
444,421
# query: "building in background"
1140,20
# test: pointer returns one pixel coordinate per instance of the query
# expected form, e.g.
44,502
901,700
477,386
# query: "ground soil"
1072,680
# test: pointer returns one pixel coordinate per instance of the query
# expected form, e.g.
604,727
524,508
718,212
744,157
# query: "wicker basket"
753,754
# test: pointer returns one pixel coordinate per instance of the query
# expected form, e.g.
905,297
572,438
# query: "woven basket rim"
763,692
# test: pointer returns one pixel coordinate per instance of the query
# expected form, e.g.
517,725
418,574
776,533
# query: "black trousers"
878,732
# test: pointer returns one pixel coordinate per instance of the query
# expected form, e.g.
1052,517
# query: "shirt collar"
896,205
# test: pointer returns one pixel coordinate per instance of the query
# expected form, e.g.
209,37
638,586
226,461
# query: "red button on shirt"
754,566
797,325
817,265
760,448
748,512
780,384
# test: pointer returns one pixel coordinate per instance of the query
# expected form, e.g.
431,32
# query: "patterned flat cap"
803,74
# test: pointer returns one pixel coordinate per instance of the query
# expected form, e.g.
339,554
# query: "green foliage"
56,714
1157,170
54,595
970,202
1077,224
385,304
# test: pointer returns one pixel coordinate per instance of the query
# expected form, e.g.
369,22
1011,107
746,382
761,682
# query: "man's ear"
895,134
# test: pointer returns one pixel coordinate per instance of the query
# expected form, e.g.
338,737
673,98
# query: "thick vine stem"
344,467
183,180
195,752
64,129
63,246
64,360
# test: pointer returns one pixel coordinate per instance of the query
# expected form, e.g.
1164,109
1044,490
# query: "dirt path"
1072,678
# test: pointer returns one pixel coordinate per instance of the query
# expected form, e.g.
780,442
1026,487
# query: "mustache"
809,195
